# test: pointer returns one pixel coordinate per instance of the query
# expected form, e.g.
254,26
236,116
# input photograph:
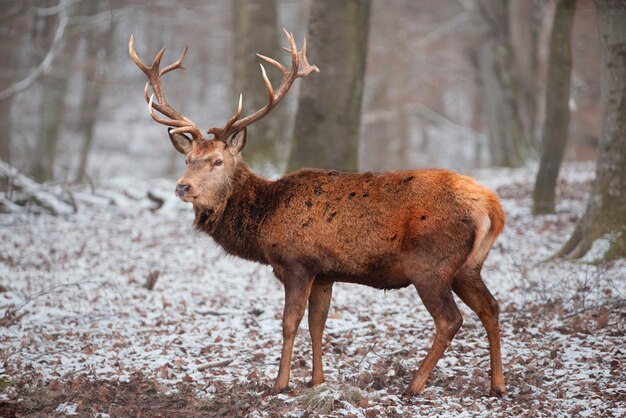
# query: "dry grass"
323,399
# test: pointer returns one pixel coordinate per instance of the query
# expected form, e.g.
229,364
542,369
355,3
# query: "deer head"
211,162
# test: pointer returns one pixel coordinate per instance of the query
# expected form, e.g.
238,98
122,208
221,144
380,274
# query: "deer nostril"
182,189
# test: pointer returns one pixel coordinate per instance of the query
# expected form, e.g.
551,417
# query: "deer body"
428,228
348,227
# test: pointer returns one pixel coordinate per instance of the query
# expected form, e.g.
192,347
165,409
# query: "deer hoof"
497,392
315,382
409,393
279,389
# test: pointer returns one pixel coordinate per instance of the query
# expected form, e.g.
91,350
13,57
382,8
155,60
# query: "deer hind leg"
319,302
297,290
438,300
469,286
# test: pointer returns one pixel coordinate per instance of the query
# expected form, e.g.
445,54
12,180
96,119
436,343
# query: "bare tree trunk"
7,130
52,108
98,49
8,50
256,31
525,20
477,113
555,131
507,141
401,133
605,216
377,125
326,134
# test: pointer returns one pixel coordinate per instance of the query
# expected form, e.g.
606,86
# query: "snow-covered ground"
82,334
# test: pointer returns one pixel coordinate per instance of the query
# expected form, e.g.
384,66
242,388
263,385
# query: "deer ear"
181,142
237,141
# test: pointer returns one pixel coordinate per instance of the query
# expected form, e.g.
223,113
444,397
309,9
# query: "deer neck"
235,225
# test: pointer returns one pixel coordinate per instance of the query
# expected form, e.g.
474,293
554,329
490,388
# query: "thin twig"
47,61
172,341
221,363
82,369
210,312
357,368
48,353
49,290
391,353
614,303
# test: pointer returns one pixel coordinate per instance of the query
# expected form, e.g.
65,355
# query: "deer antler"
154,74
300,67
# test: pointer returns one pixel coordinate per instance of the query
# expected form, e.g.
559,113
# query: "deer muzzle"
182,189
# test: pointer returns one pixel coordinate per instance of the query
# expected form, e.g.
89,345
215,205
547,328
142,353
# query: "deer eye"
217,163
186,161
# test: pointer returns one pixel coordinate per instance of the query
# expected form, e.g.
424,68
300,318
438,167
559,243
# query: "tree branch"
439,119
222,363
31,191
443,29
44,66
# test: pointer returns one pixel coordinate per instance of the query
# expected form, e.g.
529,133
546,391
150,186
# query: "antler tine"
273,62
157,60
293,49
268,84
236,116
304,62
133,55
221,133
177,64
300,67
154,74
145,92
169,122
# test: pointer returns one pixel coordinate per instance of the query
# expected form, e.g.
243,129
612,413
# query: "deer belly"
381,270
381,280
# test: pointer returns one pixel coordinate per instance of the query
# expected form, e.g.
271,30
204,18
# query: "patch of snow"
67,409
79,281
600,247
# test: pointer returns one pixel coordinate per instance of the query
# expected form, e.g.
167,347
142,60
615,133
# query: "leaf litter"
123,309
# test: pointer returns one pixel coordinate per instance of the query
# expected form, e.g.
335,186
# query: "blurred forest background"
425,101
454,84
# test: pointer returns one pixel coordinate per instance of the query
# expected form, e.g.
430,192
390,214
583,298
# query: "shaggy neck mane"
235,225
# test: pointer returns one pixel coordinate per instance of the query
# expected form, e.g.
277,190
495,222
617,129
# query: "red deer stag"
428,228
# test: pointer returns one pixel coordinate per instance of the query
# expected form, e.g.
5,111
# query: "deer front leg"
319,302
297,290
